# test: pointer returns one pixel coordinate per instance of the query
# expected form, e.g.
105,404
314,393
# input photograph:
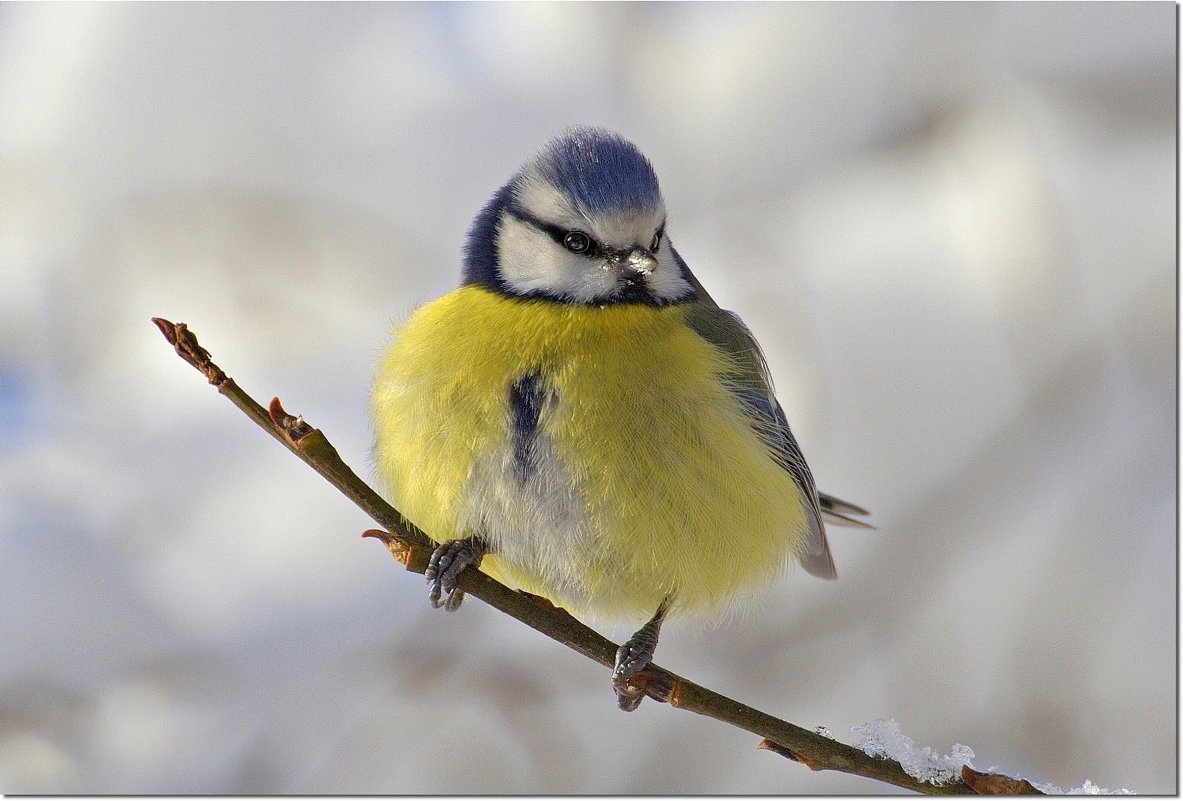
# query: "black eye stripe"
559,235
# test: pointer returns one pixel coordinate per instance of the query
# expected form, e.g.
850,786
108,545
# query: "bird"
579,418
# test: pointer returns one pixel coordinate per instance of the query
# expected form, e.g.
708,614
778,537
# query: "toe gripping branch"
447,562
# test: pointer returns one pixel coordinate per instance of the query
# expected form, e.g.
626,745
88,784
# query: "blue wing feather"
753,387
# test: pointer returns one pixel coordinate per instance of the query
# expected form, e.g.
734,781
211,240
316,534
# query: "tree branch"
413,548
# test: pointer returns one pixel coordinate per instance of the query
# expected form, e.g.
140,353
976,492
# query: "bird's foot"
631,659
444,568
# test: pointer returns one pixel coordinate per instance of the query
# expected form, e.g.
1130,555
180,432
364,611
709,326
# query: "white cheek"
530,261
519,255
666,282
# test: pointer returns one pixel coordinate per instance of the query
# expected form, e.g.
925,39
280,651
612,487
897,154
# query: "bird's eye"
656,243
577,242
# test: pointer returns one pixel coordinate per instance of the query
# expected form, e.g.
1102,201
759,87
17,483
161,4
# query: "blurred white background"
951,226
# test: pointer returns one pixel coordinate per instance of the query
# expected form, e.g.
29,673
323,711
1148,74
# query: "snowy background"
951,226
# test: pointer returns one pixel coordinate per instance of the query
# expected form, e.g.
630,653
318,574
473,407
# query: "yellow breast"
650,482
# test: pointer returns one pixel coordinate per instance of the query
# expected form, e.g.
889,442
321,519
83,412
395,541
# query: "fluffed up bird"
582,421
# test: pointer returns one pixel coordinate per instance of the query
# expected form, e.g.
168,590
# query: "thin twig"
412,548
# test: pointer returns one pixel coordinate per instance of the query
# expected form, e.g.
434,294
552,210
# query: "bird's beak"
634,265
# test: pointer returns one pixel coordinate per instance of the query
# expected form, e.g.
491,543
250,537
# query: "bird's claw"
631,658
444,568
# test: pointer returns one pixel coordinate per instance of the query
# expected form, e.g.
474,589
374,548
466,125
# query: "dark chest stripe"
526,398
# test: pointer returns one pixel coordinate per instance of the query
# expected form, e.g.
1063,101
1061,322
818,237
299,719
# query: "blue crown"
599,171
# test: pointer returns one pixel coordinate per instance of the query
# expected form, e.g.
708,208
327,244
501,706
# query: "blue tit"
582,421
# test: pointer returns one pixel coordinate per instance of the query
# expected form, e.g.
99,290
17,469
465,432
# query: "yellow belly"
651,482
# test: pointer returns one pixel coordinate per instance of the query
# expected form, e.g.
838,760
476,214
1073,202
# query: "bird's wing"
752,384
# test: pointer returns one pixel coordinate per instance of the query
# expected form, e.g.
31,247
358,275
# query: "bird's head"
583,221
